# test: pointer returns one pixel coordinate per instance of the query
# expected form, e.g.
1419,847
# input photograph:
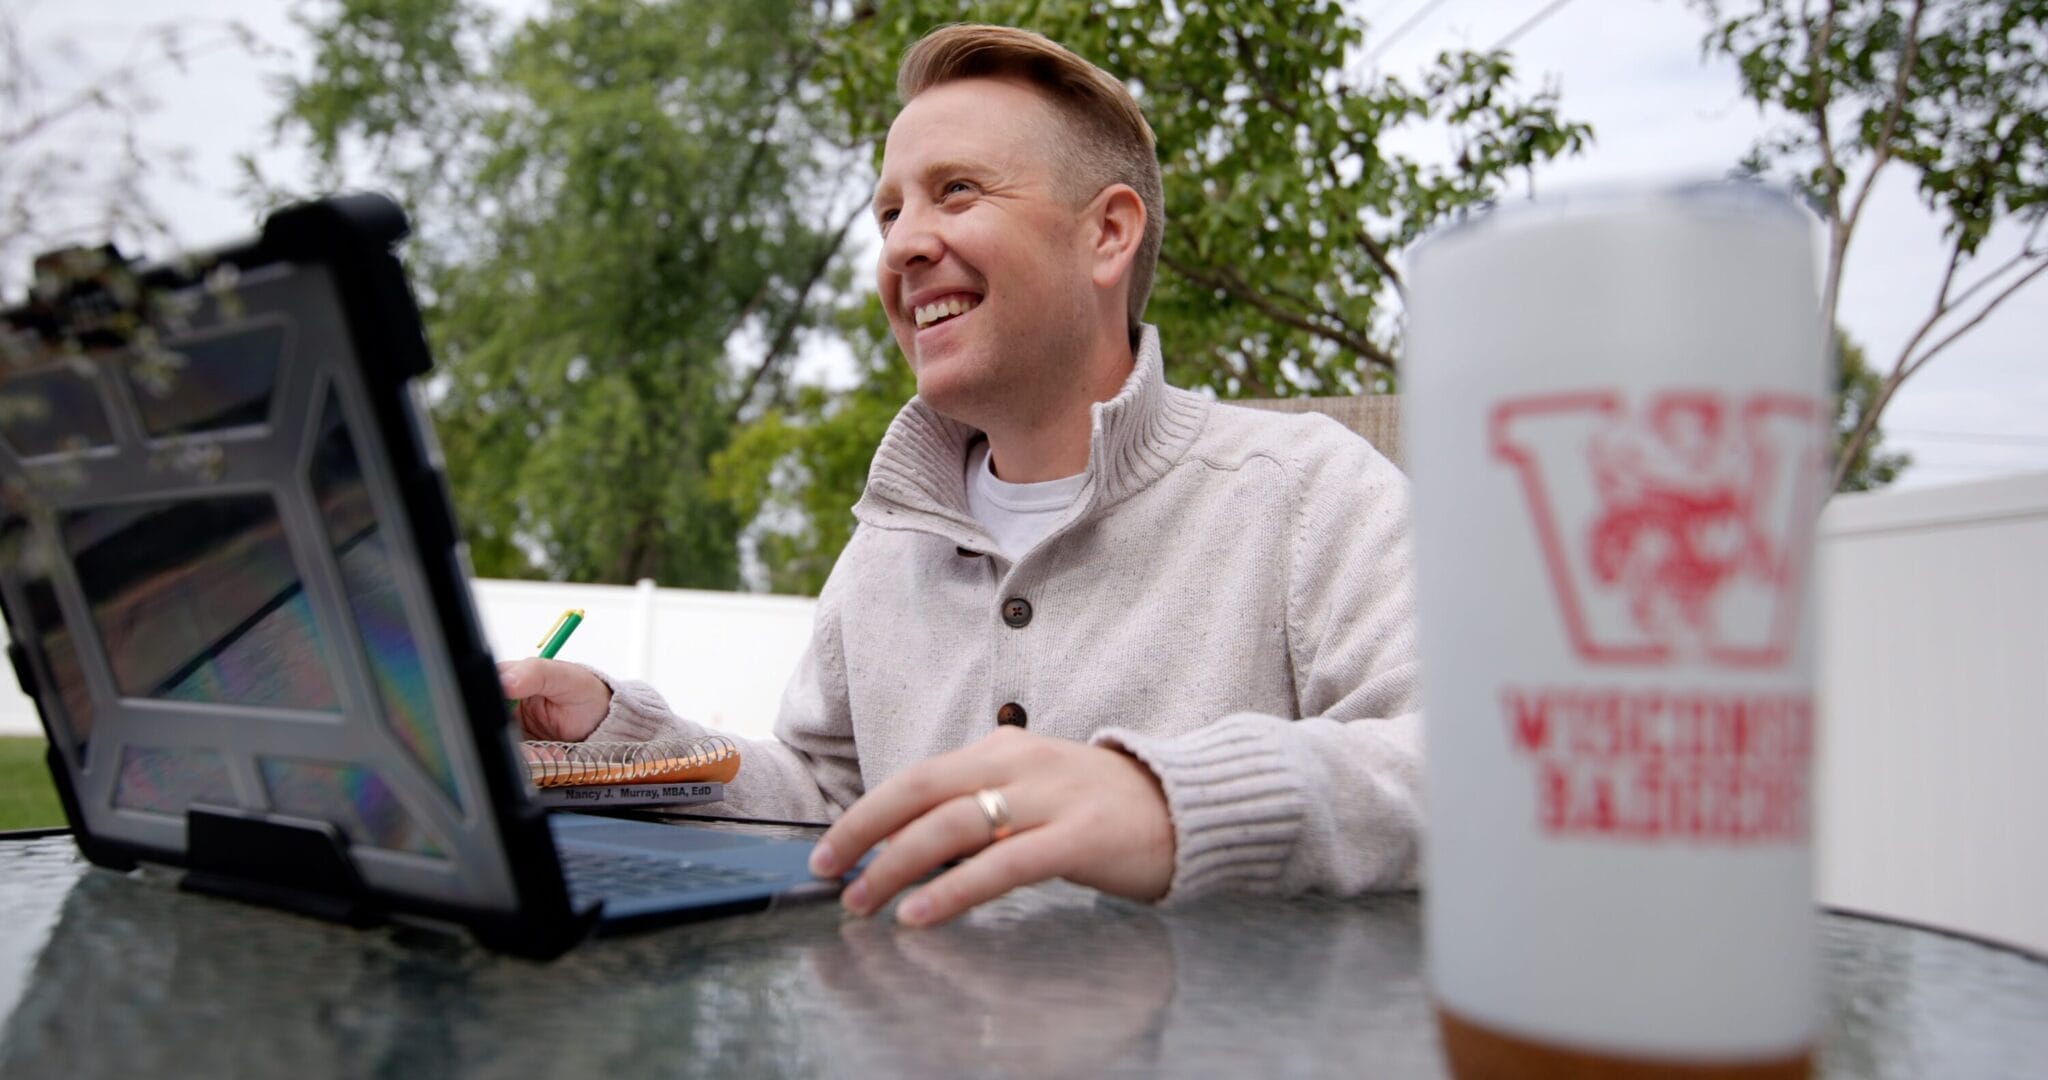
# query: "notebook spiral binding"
561,764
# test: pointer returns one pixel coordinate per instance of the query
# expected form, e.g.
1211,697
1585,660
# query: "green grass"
27,800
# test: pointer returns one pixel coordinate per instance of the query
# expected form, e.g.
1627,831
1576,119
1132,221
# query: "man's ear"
1116,224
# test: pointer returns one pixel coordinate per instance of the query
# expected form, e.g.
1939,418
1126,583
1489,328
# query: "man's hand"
557,699
1089,814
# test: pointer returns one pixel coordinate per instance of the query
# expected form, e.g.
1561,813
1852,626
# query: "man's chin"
944,395
948,390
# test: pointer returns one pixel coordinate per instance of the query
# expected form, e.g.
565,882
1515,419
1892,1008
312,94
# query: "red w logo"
1682,531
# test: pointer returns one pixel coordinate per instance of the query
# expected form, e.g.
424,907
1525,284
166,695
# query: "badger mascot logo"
1674,531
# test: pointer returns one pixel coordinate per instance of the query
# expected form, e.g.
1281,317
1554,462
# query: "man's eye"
957,185
886,216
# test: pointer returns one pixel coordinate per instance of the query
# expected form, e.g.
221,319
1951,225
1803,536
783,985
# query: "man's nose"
913,238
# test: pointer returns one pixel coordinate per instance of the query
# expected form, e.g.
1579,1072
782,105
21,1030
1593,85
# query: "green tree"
1953,91
795,472
617,197
1285,211
635,213
1857,388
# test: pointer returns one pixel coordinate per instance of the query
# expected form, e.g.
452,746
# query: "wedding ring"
997,810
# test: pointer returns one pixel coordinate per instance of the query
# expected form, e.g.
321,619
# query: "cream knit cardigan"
1228,599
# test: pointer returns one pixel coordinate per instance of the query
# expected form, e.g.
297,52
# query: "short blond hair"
1108,140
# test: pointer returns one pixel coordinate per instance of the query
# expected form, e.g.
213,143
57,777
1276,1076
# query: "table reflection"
130,976
1003,989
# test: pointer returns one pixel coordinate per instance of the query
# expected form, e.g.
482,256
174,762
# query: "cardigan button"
1017,612
1011,715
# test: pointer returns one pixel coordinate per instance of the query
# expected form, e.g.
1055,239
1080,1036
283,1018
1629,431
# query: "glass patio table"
109,976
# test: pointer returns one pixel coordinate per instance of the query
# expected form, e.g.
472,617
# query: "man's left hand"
1089,814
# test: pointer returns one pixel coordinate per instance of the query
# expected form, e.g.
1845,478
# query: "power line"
1980,437
1530,24
1374,18
1974,469
1413,21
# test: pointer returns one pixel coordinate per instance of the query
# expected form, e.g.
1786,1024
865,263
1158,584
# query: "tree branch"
100,92
1300,302
1943,305
752,305
1941,308
1234,286
1251,67
757,155
1868,421
1981,315
758,149
1883,153
1838,233
1243,370
91,95
1819,86
1378,255
1373,248
2020,259
785,334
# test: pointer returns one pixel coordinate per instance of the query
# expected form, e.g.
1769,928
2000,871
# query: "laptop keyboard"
594,875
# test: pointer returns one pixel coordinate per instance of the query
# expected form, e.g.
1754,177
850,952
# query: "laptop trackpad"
645,835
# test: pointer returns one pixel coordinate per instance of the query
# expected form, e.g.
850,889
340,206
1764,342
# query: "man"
1089,626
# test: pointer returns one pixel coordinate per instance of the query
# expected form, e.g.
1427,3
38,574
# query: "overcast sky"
1632,68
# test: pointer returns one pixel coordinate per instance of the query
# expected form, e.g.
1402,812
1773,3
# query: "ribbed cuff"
1237,809
638,712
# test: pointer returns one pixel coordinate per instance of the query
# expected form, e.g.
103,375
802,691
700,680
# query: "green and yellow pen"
559,634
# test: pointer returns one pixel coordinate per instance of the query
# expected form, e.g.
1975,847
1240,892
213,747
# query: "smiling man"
1089,626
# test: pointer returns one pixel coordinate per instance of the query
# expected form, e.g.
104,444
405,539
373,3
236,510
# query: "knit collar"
1133,439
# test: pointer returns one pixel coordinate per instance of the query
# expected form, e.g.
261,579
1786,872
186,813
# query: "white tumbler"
1618,421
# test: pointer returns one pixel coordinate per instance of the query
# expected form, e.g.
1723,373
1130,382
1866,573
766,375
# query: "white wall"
1933,758
1933,762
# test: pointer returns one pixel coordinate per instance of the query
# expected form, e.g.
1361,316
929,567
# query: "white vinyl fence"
1934,692
1933,757
719,658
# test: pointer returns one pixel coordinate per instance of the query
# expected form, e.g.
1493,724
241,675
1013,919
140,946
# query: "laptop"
234,588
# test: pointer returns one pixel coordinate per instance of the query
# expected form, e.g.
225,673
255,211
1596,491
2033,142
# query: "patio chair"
1376,417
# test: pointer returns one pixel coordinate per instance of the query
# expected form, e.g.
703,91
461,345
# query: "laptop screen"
199,600
207,566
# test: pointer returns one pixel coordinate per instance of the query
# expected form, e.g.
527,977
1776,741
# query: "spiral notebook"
628,775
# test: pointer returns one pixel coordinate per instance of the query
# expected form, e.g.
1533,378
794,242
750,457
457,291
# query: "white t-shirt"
1016,515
